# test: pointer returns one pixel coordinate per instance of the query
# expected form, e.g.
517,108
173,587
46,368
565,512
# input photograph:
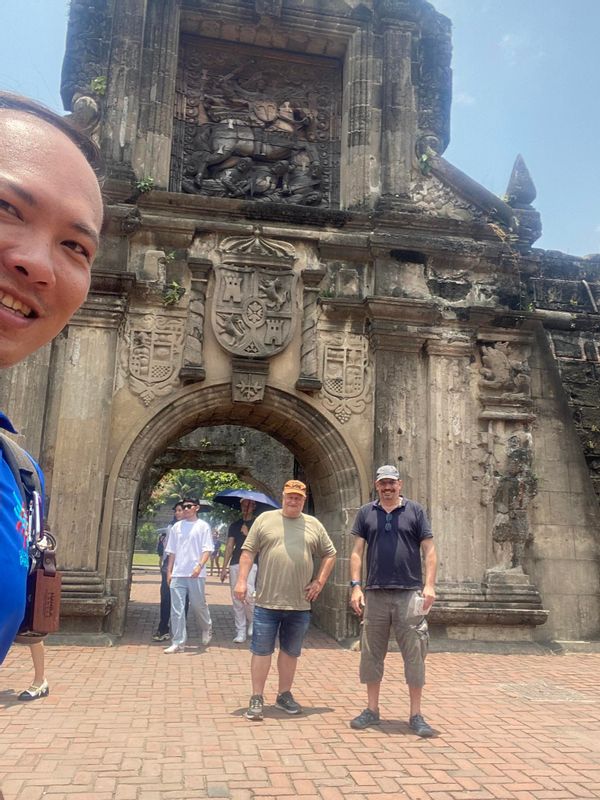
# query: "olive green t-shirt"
287,547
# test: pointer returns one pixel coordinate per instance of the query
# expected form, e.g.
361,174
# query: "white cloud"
519,47
464,99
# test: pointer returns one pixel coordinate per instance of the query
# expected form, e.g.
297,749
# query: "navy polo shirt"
393,554
13,551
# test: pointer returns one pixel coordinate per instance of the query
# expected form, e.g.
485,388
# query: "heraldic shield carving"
253,311
345,370
154,350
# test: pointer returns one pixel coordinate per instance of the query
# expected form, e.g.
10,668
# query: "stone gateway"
287,250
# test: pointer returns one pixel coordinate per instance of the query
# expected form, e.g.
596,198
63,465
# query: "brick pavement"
130,723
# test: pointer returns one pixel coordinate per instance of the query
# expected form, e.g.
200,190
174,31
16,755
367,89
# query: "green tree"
146,538
179,483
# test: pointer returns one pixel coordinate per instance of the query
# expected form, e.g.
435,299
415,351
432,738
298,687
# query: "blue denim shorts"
290,625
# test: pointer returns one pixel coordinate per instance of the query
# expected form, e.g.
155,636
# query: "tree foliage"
179,483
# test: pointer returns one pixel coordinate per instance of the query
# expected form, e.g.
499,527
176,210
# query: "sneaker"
239,638
206,636
286,702
365,719
161,637
255,708
417,724
35,692
174,648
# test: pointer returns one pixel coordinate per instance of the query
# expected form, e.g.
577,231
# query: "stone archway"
336,472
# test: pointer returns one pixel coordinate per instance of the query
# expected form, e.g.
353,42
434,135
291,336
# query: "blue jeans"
182,588
290,625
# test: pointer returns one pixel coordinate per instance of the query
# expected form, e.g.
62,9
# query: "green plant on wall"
172,294
425,164
98,85
145,185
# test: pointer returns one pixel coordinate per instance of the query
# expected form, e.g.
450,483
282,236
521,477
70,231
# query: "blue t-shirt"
13,551
394,544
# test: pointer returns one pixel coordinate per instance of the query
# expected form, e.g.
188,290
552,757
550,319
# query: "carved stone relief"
152,354
516,485
432,196
248,380
250,127
254,307
504,370
345,375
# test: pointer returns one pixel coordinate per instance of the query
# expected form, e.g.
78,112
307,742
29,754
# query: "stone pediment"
444,190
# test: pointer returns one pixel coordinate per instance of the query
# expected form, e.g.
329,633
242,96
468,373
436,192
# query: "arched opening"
332,466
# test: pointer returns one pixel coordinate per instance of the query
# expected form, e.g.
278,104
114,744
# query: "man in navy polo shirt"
50,221
396,532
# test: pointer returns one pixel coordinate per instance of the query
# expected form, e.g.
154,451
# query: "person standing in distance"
396,532
188,548
162,632
287,541
50,220
243,610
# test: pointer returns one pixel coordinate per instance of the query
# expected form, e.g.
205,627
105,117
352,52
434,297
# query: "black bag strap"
22,467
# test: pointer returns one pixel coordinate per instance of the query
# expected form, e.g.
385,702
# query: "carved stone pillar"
193,362
76,438
399,114
119,128
309,363
83,425
401,418
157,94
456,515
361,122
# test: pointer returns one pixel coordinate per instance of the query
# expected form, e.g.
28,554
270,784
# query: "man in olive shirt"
287,541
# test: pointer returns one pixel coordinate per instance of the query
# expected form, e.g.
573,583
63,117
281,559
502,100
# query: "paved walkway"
130,723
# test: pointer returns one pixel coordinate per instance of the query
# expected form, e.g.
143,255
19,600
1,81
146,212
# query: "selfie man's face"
50,220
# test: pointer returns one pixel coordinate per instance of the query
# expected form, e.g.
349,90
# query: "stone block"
563,509
567,345
553,541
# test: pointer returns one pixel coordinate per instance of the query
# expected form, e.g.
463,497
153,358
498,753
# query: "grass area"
145,560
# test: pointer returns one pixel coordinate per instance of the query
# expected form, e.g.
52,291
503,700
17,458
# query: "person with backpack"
50,220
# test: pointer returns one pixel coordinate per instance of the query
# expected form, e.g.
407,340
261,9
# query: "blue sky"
526,80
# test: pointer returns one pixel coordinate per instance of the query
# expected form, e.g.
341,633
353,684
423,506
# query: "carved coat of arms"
154,355
253,310
345,375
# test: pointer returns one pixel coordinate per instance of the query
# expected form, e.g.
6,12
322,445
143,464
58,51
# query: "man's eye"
77,248
9,208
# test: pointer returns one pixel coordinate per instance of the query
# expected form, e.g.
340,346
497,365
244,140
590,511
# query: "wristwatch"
355,583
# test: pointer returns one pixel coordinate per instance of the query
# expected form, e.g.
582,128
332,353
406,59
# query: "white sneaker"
207,636
239,638
174,648
250,627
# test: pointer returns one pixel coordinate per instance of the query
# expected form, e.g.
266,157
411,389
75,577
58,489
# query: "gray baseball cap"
387,472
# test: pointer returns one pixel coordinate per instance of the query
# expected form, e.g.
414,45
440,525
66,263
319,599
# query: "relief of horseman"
245,124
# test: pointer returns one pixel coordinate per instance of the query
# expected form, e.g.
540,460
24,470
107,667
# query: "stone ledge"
487,615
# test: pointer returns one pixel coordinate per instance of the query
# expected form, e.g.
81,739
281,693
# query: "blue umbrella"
232,497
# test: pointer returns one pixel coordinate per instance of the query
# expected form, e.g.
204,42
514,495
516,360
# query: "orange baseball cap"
295,487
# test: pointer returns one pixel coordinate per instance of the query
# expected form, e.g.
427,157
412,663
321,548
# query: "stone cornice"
407,311
107,301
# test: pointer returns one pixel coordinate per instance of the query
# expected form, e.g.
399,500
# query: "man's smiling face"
50,220
389,490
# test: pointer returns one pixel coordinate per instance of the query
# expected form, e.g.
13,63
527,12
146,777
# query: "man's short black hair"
193,500
17,102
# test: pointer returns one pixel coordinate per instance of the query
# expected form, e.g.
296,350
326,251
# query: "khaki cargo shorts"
386,611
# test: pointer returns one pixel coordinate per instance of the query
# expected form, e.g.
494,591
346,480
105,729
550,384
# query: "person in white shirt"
189,547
